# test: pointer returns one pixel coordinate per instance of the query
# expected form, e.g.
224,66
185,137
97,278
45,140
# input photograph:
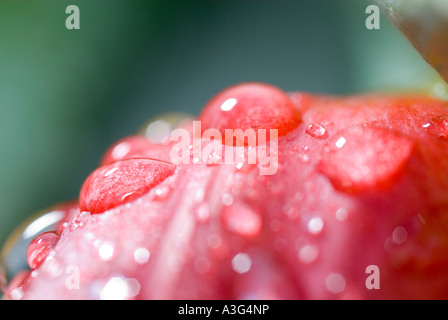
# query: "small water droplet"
308,253
438,127
241,263
161,193
335,283
121,150
341,214
315,225
203,212
340,142
40,247
316,130
106,251
304,158
375,155
240,218
119,288
141,255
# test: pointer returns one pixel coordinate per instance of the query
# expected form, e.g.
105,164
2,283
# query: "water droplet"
316,130
40,247
308,253
141,255
14,290
438,127
250,106
240,218
112,185
341,214
106,251
335,283
14,252
162,192
361,158
203,212
304,158
241,263
315,225
276,225
119,288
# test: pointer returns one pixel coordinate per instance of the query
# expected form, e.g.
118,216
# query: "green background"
67,95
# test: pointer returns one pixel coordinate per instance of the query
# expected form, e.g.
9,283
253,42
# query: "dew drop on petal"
117,183
250,106
340,142
315,225
241,263
40,247
141,255
119,288
106,251
316,130
203,212
308,253
335,283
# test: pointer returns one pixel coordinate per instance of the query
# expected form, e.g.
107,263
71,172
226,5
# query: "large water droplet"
40,247
360,158
114,184
250,106
120,288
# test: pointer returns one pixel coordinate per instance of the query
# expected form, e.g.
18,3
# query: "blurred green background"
67,95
